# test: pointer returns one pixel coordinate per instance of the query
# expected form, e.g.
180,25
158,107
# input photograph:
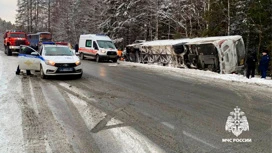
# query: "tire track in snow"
55,134
33,131
111,134
150,129
74,126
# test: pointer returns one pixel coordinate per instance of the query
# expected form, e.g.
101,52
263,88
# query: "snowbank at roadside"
11,131
203,74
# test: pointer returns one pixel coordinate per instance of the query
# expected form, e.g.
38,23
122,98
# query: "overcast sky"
8,10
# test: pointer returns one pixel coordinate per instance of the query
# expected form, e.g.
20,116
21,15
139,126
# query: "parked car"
51,60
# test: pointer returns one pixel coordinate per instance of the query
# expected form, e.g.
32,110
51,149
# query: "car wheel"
9,52
5,50
97,58
43,76
82,56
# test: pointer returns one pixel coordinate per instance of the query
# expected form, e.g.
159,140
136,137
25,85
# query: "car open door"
29,59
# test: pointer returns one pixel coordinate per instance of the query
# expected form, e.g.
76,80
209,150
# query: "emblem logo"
28,63
237,122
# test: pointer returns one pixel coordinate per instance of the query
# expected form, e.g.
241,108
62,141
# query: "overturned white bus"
223,54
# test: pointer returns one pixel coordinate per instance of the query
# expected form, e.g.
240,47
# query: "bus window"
45,37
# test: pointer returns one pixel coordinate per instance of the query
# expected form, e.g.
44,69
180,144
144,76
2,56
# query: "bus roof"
198,40
39,33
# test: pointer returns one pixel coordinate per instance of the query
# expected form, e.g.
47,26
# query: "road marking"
168,125
76,90
33,100
157,119
199,140
113,64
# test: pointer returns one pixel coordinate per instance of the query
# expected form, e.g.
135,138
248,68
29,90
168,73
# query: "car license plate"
66,69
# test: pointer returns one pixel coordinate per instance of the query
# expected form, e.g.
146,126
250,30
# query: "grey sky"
8,10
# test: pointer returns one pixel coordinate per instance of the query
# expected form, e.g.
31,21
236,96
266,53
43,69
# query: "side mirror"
35,53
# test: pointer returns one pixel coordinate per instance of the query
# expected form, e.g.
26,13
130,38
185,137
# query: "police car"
51,60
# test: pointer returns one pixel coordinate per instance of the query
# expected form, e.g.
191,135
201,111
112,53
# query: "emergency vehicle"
50,60
98,47
12,41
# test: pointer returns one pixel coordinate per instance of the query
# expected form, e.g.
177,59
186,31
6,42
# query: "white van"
98,47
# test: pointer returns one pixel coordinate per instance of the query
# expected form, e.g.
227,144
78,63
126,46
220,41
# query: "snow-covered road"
41,116
129,108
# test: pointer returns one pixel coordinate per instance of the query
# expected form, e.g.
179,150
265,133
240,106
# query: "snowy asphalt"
119,108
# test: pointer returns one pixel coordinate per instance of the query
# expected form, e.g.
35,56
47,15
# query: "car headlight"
103,51
78,63
49,62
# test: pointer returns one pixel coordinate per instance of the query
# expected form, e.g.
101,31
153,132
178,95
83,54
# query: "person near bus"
264,63
251,65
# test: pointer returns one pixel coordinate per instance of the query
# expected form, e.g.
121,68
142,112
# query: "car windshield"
17,35
58,51
106,44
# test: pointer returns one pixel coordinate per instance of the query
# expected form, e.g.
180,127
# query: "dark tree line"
4,25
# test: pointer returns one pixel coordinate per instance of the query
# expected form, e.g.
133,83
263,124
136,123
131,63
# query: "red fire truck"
13,40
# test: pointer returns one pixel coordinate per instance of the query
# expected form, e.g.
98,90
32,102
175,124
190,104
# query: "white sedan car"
51,60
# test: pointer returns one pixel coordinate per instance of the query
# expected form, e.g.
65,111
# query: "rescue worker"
251,65
76,48
264,63
27,51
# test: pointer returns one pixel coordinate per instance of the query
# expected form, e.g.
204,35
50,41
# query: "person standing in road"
264,63
251,65
76,48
